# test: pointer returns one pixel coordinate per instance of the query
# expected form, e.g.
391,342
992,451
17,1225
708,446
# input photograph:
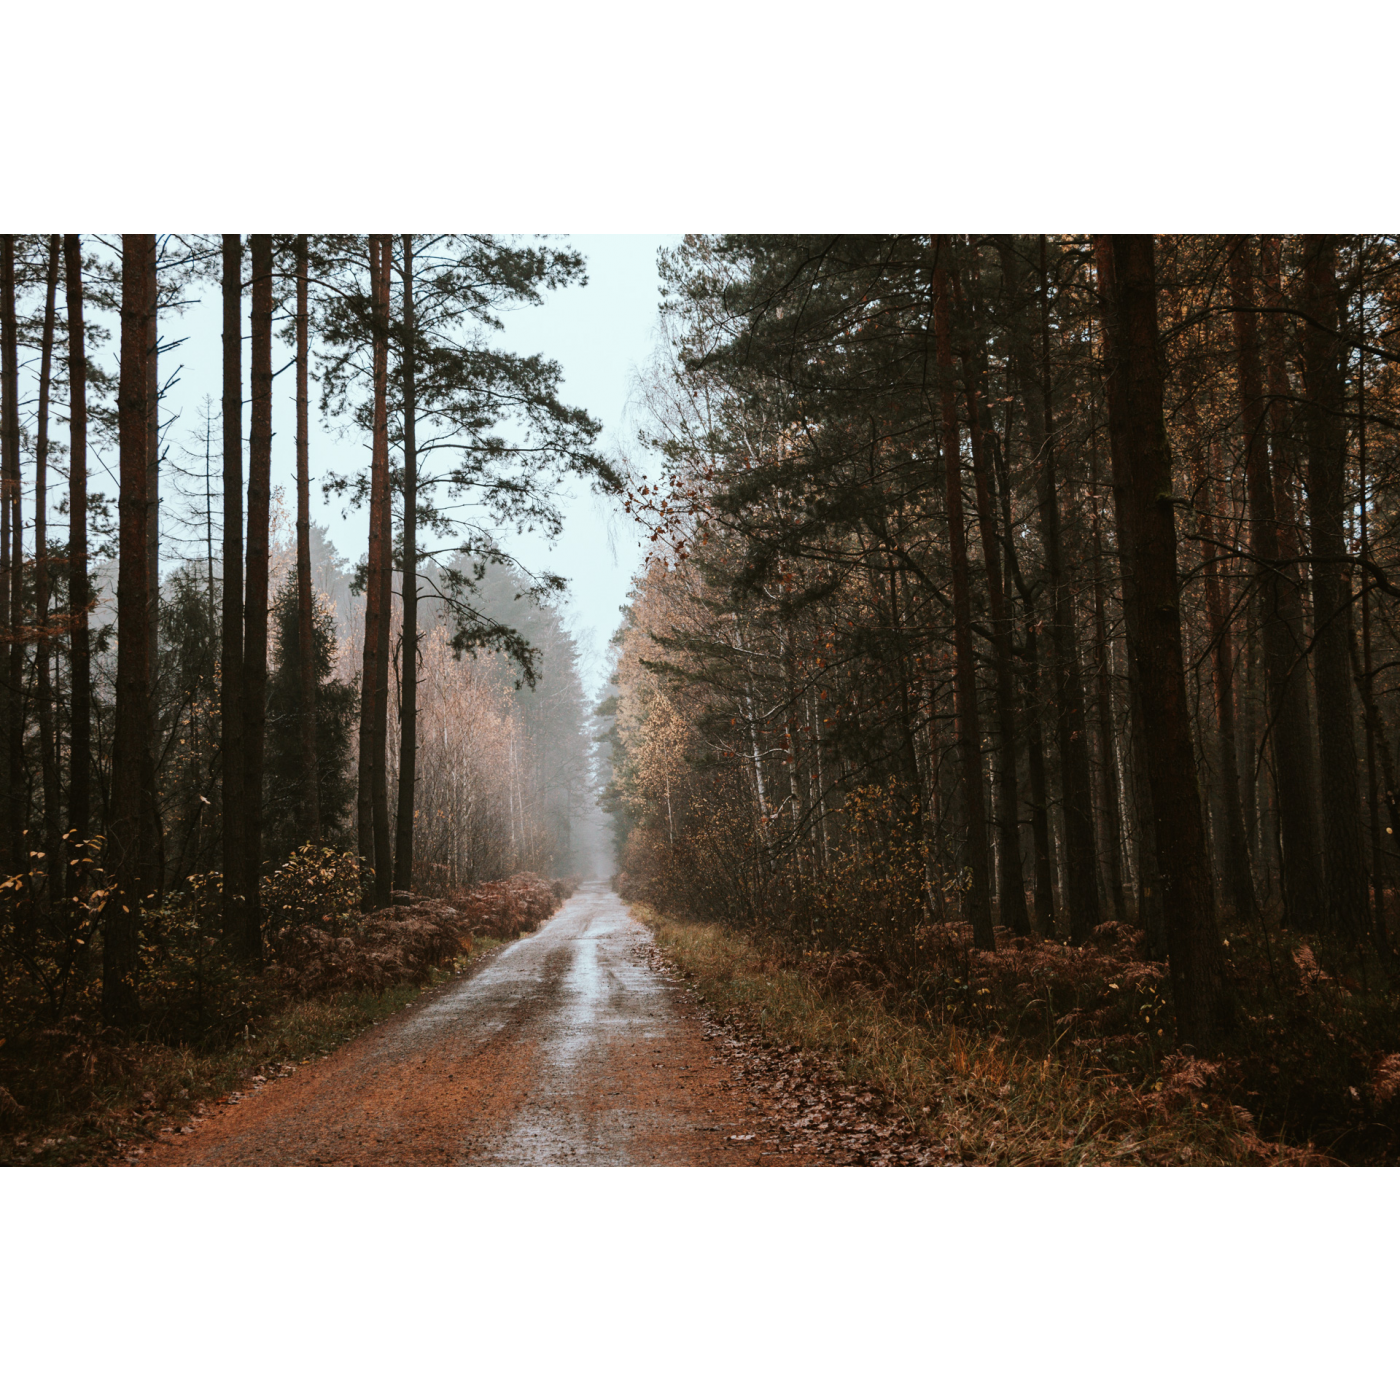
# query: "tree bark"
1041,861
11,804
1081,858
969,726
79,590
1108,767
1235,852
1286,674
255,586
408,703
153,458
231,650
48,757
1032,679
1372,790
1011,892
372,797
126,857
306,642
1144,500
1342,840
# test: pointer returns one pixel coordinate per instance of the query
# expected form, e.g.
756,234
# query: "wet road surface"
566,1048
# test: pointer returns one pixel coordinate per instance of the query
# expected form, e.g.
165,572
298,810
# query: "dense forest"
1021,629
202,705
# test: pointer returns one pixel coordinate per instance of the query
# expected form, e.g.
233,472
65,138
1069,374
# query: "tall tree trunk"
408,703
1081,858
152,837
255,586
1286,673
1041,861
126,857
79,590
1108,768
306,642
1147,538
1235,852
372,797
1042,845
231,651
48,757
1011,892
1372,790
11,652
1342,842
153,458
969,726
1151,909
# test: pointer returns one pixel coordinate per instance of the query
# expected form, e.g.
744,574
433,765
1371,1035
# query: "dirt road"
567,1048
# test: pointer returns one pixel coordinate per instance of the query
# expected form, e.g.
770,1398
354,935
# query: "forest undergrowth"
1044,1053
74,1091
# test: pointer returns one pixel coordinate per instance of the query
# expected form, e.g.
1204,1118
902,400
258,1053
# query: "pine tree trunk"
48,757
1342,840
11,792
1147,539
1151,911
1011,892
373,796
1372,790
1108,768
1041,861
153,459
969,726
311,783
1081,858
1286,672
126,858
1235,849
1039,784
408,703
231,650
79,590
255,585
1031,679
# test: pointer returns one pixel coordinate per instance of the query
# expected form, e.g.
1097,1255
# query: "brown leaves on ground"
811,1110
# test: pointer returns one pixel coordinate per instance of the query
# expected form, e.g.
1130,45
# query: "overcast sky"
600,334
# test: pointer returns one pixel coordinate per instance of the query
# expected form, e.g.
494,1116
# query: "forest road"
565,1049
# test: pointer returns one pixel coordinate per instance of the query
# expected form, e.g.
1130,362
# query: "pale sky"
600,334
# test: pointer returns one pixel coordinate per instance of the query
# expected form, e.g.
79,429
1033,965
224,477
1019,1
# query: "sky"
601,334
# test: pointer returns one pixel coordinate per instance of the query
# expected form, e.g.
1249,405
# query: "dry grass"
988,1102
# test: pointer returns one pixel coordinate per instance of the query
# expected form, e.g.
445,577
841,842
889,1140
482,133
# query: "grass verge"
126,1102
986,1100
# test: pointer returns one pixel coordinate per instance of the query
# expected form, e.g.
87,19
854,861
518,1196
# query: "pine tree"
336,707
1145,504
237,914
310,785
79,590
129,855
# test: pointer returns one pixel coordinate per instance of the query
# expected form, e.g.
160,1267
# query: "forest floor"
957,1095
167,1091
575,1045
